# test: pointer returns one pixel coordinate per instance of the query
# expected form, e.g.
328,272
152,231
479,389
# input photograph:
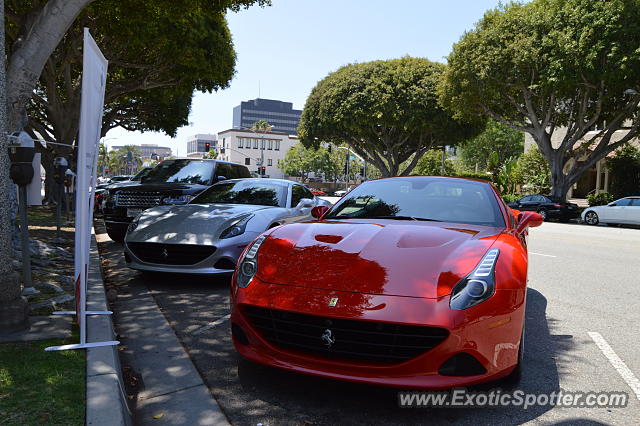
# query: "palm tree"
261,126
131,158
102,158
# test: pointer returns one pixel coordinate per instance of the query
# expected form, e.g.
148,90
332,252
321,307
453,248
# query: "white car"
623,211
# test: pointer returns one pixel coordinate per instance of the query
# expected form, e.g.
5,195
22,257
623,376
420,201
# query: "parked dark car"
170,182
102,189
549,207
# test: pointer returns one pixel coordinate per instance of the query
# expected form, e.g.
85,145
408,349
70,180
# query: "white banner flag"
94,80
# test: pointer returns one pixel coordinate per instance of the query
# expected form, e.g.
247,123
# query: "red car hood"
387,257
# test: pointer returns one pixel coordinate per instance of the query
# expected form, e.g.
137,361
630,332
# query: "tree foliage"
498,139
431,165
532,172
301,161
553,66
159,53
386,111
211,155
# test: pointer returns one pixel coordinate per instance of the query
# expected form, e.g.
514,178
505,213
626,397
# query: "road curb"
106,398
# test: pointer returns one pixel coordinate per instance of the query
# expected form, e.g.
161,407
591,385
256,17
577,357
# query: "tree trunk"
28,59
13,307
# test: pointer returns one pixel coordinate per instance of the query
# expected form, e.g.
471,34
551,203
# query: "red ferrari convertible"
415,282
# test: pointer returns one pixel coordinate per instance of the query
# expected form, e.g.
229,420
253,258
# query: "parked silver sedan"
208,235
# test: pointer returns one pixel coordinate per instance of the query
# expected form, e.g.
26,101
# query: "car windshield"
142,173
182,171
244,192
421,198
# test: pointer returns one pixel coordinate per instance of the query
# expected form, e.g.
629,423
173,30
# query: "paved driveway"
584,290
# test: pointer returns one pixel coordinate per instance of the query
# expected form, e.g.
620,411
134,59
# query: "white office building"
255,149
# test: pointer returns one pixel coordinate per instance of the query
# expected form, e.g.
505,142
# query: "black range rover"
170,182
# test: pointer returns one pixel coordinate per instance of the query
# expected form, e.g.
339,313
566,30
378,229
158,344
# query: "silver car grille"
137,199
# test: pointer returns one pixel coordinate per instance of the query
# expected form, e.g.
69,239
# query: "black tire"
116,235
591,218
543,213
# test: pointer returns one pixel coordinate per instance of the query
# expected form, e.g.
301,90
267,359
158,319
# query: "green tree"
212,154
532,172
624,171
149,86
556,69
261,126
301,161
102,158
431,165
386,111
497,138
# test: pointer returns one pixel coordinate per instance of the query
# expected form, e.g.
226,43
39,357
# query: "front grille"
137,199
171,254
377,342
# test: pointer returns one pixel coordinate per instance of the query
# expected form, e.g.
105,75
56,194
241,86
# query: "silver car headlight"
133,224
248,264
237,227
478,286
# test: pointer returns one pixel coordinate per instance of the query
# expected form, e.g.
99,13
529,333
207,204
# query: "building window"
277,145
270,144
247,161
269,162
262,144
255,144
240,143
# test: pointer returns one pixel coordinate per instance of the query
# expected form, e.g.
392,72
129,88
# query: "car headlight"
134,224
180,199
478,286
248,264
237,227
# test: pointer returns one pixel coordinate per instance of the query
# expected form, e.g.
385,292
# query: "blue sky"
288,47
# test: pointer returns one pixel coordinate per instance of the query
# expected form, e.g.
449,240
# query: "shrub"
599,199
532,172
510,198
482,176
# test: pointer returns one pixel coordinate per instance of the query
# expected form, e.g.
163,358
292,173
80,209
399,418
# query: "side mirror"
612,204
319,211
304,203
143,179
528,220
220,178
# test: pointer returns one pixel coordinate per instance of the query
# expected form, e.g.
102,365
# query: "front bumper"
490,332
226,250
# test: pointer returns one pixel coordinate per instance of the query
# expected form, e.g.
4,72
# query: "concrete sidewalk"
172,391
106,398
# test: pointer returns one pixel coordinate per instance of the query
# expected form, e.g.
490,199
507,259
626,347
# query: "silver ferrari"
207,235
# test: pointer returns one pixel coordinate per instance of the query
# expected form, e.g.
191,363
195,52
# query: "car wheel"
543,213
591,218
117,236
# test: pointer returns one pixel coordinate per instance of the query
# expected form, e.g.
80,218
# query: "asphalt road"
582,280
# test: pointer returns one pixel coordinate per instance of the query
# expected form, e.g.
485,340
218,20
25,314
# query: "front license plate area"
133,212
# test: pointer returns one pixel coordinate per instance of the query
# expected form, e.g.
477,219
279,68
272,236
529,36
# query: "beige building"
255,150
596,178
